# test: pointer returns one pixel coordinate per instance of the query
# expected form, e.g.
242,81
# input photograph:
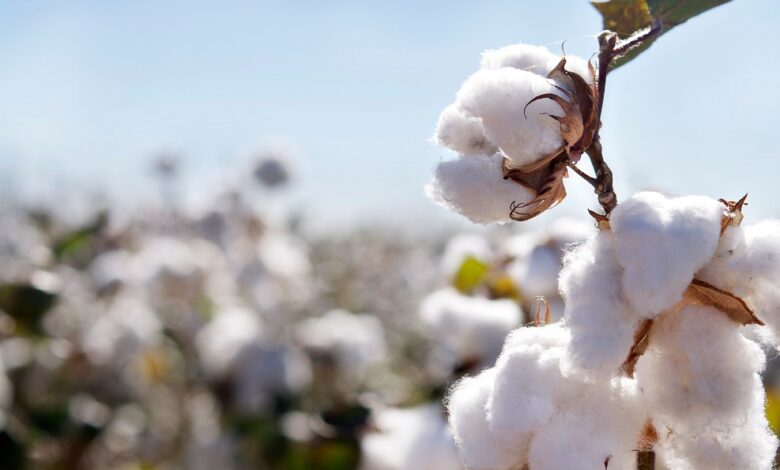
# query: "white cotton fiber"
479,448
529,383
661,242
536,59
747,264
601,424
499,97
601,324
473,328
475,187
699,369
409,438
462,133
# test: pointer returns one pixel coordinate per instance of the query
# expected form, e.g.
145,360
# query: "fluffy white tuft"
661,242
536,59
462,133
475,187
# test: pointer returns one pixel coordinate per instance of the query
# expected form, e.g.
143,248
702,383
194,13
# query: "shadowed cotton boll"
122,332
273,168
462,247
409,438
661,243
475,187
470,328
220,342
462,133
356,342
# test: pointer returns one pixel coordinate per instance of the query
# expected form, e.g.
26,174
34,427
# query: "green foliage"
26,304
76,244
626,17
470,275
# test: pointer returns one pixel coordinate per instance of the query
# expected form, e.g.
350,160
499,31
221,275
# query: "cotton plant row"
207,338
657,360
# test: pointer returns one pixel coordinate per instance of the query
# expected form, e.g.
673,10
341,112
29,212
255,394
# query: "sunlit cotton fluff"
405,438
471,328
499,98
536,59
462,133
475,187
661,243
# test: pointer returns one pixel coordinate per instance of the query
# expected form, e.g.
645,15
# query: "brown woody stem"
603,186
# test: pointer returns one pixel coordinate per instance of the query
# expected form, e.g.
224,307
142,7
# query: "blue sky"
89,89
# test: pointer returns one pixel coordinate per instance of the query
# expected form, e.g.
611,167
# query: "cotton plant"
657,361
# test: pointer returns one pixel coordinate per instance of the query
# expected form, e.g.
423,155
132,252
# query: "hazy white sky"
89,89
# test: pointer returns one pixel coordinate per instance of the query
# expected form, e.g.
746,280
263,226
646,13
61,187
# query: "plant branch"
591,180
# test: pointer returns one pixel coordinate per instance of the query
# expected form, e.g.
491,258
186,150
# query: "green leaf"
26,304
773,409
76,243
469,275
626,17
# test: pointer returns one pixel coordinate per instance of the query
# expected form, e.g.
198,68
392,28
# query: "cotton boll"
529,383
601,424
462,133
699,370
537,274
747,264
356,342
284,256
536,59
121,333
661,242
601,324
462,247
499,97
472,328
480,449
475,187
748,444
409,438
221,341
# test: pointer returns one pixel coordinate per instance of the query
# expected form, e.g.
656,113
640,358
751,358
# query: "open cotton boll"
220,342
599,428
748,444
473,328
462,133
699,370
480,449
409,438
354,341
499,97
122,332
661,242
529,383
475,187
601,324
462,247
537,274
536,59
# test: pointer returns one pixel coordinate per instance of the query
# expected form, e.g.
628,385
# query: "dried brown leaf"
733,216
602,221
734,307
547,182
641,341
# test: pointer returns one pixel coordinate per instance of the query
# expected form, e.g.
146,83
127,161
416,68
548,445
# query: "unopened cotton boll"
409,438
480,449
475,187
462,133
536,59
473,328
661,243
499,97
601,324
